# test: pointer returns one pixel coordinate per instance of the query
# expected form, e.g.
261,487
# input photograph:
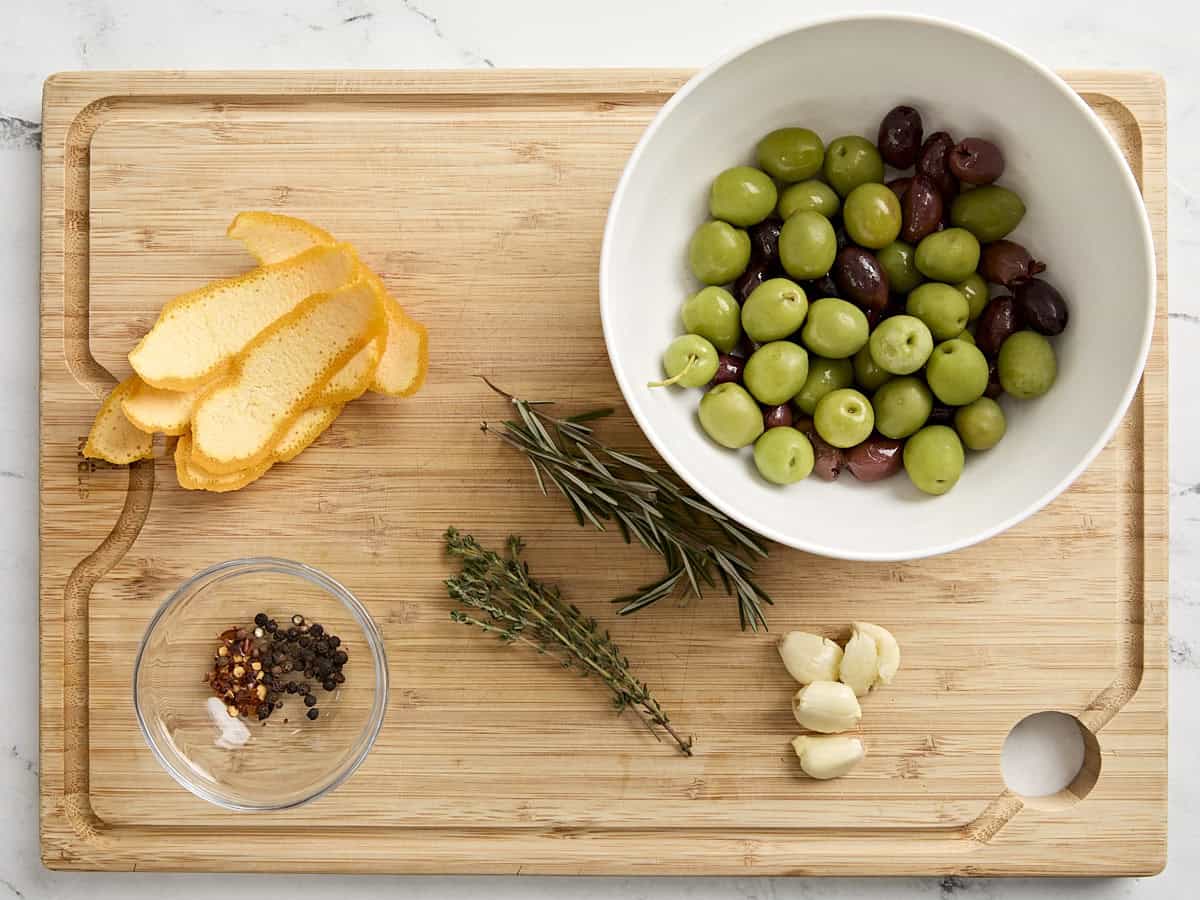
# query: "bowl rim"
1128,181
251,565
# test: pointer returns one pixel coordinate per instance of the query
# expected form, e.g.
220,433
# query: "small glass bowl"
241,763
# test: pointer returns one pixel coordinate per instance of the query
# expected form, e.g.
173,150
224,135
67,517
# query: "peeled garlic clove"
831,756
810,657
860,663
826,706
889,650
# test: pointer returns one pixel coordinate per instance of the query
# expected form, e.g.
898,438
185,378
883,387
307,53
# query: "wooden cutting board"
480,197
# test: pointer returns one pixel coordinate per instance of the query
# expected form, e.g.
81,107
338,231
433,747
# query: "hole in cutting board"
1051,760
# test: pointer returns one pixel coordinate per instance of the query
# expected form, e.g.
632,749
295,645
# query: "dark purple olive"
941,414
976,161
764,242
999,319
900,135
934,163
756,273
1007,262
824,286
776,416
876,458
993,389
1041,306
899,186
861,279
803,422
827,459
729,369
920,209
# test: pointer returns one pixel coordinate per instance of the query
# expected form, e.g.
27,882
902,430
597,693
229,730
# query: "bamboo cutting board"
480,198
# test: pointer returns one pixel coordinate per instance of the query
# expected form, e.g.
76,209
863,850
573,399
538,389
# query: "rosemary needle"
698,543
520,609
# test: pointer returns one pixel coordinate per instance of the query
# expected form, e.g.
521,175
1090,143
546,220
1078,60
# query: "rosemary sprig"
520,609
697,542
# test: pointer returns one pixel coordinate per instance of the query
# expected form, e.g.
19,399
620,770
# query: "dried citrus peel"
152,409
198,334
279,375
353,379
306,429
113,438
273,238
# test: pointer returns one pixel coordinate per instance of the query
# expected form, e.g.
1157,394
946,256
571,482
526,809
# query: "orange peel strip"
152,409
113,438
198,334
193,478
352,381
272,238
306,429
279,375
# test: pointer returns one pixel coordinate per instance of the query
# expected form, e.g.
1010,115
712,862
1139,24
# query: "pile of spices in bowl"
255,665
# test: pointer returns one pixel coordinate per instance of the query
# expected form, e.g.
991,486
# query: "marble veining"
39,38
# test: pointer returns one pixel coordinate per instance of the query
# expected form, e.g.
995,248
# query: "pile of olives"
849,322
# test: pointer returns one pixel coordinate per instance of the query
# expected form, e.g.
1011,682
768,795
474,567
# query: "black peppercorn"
340,658
322,647
272,626
261,620
316,630
334,640
313,713
305,641
338,676
291,687
293,635
303,688
310,699
329,684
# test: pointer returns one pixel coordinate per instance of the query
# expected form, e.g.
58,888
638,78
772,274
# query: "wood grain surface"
480,198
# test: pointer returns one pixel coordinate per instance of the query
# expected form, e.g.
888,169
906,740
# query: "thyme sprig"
695,540
519,609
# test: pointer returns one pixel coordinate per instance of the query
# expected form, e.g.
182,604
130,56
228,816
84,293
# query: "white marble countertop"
44,36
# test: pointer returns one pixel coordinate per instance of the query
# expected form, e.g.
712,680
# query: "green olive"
1027,365
718,252
899,262
713,313
783,455
950,255
901,407
975,289
844,418
690,361
957,372
742,195
807,245
729,415
867,372
812,194
851,161
988,212
774,309
933,459
824,375
942,307
981,424
775,372
901,344
791,154
835,328
872,216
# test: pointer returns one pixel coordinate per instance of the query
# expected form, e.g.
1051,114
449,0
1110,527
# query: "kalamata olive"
776,416
941,414
1007,262
900,135
861,279
756,273
921,209
817,288
875,458
1041,306
899,186
729,369
935,164
827,459
764,242
976,161
999,319
993,389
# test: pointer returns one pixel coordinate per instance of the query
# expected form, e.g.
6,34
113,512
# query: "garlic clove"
810,657
860,663
829,756
888,647
826,706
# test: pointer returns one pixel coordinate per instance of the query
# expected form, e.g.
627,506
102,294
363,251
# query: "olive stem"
691,361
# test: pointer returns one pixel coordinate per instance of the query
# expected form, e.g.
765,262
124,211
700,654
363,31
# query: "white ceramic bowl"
839,76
